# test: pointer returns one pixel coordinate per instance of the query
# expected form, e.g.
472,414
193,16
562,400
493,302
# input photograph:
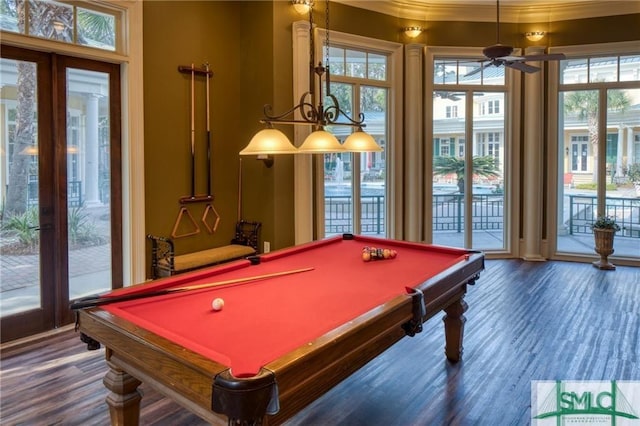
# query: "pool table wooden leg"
454,329
124,398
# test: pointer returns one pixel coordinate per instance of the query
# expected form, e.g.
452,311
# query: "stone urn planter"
604,229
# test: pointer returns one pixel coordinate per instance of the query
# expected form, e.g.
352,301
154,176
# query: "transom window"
356,63
90,25
600,69
461,71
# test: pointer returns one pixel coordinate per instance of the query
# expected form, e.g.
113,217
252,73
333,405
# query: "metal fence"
582,213
74,193
487,213
338,213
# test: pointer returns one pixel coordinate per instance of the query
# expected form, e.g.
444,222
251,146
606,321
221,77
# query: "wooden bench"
164,261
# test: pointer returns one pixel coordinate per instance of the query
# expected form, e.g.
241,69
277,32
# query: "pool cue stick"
240,190
206,76
103,300
193,132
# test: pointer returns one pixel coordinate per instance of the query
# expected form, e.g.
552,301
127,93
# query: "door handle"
44,227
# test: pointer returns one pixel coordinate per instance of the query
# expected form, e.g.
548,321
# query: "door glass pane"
338,168
487,202
578,141
623,171
88,201
19,232
448,168
373,172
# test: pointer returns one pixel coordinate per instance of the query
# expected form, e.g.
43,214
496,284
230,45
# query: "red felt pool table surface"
265,319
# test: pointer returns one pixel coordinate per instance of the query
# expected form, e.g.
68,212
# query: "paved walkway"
19,271
89,272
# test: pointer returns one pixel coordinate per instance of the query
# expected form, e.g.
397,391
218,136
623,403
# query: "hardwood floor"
526,321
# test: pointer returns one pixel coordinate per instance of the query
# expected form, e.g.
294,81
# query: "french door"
60,186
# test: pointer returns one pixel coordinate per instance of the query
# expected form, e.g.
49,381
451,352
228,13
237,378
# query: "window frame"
129,56
308,171
577,52
511,90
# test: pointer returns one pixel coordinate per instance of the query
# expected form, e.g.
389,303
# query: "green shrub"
25,227
593,186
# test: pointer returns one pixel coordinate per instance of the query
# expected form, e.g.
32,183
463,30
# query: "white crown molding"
514,11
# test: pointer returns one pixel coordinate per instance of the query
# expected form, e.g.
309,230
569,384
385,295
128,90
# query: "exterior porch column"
92,157
620,151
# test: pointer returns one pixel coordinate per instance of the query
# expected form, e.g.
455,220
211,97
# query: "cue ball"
217,304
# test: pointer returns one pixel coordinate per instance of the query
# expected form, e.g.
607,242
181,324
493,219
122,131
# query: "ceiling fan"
500,54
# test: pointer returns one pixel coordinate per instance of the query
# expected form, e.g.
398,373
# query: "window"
452,111
91,25
348,191
593,155
444,149
361,89
489,145
467,208
490,107
600,69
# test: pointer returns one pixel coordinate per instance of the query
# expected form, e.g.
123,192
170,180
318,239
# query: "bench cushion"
198,259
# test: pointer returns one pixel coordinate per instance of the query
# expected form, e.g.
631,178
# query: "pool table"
295,323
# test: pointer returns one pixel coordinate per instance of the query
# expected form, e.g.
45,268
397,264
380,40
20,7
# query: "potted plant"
604,229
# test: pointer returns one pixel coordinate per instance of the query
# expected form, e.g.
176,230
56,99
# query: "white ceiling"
515,11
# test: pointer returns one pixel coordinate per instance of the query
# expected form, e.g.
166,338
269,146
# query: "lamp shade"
412,32
360,141
535,35
319,142
269,141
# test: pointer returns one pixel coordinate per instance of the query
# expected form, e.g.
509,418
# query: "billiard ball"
217,304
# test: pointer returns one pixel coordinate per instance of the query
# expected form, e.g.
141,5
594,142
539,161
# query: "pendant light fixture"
314,113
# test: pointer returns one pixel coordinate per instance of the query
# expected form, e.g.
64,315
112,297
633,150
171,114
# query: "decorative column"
620,151
413,142
92,158
533,164
303,170
629,145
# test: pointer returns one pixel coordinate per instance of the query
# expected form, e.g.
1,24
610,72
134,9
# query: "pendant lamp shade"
320,141
360,141
267,142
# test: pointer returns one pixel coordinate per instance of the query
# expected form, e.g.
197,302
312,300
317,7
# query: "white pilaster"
413,141
533,164
303,180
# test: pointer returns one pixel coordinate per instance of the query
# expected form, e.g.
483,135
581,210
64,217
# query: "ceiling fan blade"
545,57
477,70
511,58
521,66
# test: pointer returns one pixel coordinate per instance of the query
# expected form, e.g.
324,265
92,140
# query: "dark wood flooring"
526,321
